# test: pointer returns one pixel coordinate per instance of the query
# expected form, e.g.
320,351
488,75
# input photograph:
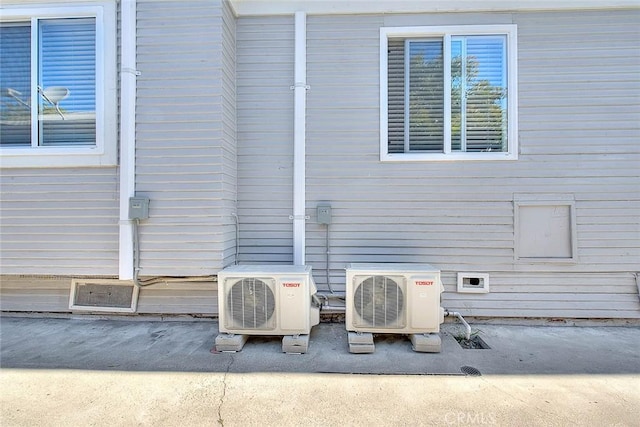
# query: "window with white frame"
448,93
57,86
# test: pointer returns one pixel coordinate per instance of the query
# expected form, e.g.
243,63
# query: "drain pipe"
128,75
299,129
464,322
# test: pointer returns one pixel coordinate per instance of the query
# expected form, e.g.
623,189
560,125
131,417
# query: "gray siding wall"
65,221
55,222
185,156
229,132
579,111
58,223
265,138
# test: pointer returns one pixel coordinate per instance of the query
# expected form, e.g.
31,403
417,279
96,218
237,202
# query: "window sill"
442,157
52,157
541,260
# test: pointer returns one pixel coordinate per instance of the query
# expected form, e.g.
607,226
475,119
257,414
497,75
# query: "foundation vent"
103,295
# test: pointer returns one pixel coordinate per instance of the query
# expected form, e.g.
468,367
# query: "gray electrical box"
324,214
138,208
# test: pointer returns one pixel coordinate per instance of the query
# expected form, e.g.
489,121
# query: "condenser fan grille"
251,304
379,302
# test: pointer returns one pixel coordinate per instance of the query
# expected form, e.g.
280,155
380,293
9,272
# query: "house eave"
327,7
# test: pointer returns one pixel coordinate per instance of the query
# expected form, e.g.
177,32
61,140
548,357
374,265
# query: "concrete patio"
128,371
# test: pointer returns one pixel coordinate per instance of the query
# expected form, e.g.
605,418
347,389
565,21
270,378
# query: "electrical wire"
328,273
136,253
159,279
237,222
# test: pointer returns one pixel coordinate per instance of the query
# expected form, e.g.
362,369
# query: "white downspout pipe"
128,75
299,128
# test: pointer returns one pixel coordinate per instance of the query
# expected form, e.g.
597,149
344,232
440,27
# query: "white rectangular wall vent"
108,295
477,283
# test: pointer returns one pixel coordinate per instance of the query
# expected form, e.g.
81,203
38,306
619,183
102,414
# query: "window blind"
415,95
395,95
425,107
15,84
67,60
478,93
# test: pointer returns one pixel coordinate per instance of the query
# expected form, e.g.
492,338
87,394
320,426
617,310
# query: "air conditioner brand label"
424,282
290,284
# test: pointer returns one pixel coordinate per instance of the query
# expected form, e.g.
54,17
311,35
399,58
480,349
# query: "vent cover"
379,302
473,283
103,295
251,304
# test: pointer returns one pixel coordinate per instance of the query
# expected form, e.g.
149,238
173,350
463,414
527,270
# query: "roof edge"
328,7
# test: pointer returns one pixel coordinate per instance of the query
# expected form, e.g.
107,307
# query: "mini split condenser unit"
266,300
393,299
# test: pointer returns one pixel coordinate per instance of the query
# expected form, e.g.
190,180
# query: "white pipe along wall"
128,141
299,139
128,74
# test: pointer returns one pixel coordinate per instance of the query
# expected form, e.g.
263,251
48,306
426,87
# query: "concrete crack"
224,392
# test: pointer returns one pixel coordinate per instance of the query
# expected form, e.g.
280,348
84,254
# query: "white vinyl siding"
549,295
61,221
579,122
265,138
185,130
64,221
229,133
577,138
